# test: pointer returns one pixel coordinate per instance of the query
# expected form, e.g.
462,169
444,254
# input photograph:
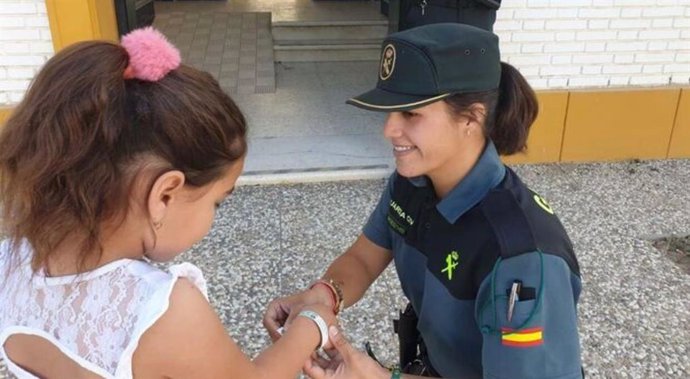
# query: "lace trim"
20,330
40,280
126,303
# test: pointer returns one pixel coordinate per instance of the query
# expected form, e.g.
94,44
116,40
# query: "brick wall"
25,44
559,44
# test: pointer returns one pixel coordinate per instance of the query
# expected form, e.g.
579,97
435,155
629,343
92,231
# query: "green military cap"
425,64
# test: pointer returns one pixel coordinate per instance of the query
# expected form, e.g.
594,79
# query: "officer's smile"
402,150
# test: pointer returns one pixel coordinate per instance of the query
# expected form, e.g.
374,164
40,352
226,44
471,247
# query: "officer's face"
426,140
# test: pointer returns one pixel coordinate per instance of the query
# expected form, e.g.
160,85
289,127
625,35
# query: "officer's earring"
468,132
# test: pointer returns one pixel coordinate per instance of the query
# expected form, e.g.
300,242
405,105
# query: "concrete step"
327,53
307,42
285,33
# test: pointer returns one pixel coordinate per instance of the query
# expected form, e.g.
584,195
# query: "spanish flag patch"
523,338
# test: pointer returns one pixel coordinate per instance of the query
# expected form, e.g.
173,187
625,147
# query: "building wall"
566,44
25,44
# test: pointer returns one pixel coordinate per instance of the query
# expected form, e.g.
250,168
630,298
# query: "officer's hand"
345,362
281,311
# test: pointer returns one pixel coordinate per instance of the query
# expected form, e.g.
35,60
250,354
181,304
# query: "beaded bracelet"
336,293
395,374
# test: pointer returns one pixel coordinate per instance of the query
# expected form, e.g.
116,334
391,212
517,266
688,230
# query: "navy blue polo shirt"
458,258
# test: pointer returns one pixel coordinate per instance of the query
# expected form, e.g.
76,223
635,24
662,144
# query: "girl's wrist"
308,326
320,324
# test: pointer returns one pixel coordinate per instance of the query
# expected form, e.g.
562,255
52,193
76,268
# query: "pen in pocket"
513,297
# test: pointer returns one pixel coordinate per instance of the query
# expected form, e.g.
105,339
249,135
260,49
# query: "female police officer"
484,261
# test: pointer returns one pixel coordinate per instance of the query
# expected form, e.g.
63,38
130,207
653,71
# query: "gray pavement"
634,311
282,10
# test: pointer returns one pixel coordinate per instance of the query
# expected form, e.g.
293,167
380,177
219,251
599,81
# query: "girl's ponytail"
516,110
55,149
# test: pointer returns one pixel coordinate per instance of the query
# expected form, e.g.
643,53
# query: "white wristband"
320,323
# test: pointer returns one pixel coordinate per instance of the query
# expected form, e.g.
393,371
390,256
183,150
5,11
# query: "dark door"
133,14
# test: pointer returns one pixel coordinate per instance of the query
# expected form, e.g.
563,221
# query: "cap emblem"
387,62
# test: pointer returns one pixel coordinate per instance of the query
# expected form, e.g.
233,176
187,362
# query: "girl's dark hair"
71,149
510,110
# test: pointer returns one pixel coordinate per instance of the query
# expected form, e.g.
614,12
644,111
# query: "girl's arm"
189,341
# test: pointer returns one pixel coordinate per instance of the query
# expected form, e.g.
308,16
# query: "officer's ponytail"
515,112
511,110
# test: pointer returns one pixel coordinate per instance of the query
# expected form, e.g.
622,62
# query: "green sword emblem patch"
451,263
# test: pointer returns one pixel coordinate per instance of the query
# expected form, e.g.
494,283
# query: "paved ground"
283,10
306,124
236,48
634,311
677,248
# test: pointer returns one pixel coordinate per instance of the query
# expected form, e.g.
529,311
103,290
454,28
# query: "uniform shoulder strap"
509,222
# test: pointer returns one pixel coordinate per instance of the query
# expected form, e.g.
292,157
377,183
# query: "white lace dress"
95,318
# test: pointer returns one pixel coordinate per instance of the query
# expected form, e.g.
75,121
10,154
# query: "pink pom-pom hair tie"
151,56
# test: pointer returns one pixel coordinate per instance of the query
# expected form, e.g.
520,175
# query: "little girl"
119,155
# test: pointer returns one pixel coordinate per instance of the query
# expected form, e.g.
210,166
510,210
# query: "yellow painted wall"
616,125
546,134
79,20
4,114
680,139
